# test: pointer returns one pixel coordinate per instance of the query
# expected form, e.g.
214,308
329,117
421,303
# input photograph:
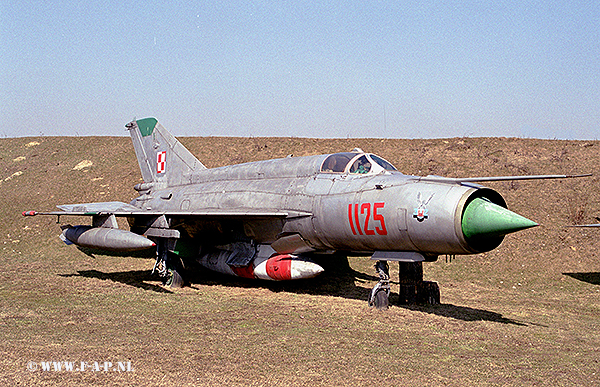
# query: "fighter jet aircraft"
269,219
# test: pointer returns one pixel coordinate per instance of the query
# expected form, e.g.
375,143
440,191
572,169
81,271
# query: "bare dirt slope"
527,313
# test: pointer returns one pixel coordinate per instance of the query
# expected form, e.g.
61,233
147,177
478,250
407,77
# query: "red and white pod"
267,265
283,267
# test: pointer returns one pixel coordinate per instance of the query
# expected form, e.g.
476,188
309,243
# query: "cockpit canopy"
357,163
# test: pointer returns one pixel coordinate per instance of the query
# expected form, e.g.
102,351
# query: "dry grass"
527,313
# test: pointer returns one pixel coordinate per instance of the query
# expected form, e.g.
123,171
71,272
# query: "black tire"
176,272
381,300
432,292
175,280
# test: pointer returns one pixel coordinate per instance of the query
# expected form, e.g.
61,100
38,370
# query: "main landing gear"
168,265
413,290
380,294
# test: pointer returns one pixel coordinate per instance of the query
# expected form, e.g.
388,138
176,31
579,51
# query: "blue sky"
302,68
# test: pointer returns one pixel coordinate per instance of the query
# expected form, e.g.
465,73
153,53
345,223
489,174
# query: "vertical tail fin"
163,160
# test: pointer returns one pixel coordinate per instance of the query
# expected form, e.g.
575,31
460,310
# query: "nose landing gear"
413,290
380,294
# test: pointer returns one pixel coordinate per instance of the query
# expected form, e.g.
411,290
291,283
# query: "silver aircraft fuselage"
359,213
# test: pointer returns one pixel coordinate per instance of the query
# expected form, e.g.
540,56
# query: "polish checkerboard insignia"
161,162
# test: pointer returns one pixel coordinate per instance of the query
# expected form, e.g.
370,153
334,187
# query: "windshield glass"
361,165
387,166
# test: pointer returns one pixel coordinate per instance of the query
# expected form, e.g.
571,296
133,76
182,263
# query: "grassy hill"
527,313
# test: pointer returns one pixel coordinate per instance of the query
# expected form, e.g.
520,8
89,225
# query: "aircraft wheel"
381,300
431,292
175,279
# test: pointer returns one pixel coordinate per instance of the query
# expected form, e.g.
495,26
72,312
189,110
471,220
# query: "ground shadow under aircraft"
135,278
464,313
338,280
591,278
91,252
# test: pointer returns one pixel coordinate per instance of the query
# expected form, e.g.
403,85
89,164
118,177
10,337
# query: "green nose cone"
483,218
